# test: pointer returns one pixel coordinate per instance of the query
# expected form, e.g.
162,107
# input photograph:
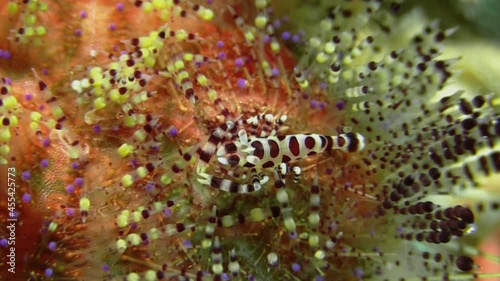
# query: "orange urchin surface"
112,115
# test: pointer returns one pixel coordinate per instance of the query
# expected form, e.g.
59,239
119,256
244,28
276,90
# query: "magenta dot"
45,71
314,104
26,175
340,105
239,62
49,272
358,272
275,72
167,213
52,246
79,181
75,165
83,14
28,97
4,242
70,212
222,55
220,44
105,267
173,132
44,163
119,6
70,188
26,198
46,142
242,83
112,27
96,129
286,35
78,32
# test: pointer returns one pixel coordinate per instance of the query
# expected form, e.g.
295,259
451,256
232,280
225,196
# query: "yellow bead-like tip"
53,226
275,47
10,102
121,245
40,30
84,204
319,255
260,4
147,7
134,239
127,180
96,72
142,172
13,120
321,58
125,149
207,14
188,57
154,234
129,121
260,21
4,149
212,94
179,64
150,275
140,135
35,116
5,134
181,35
165,179
122,220
12,8
159,4
290,224
202,80
257,214
205,244
227,221
249,36
99,103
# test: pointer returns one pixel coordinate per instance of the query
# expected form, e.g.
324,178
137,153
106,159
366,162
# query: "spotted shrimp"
237,147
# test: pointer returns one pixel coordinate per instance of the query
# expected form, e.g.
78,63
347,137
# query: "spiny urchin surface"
118,121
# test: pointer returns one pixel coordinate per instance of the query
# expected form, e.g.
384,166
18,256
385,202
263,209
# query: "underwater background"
123,150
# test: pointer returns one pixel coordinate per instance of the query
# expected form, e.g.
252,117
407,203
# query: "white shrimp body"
251,148
271,151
